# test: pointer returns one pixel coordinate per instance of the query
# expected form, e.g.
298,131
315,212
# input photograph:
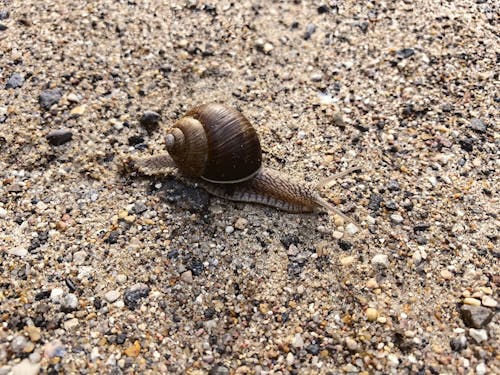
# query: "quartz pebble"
111,296
380,261
479,335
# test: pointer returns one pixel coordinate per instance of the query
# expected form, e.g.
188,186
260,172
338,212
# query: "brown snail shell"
216,143
219,145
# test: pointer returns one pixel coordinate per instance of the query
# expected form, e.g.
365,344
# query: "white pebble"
290,359
3,213
19,251
351,229
25,367
94,354
298,342
56,294
479,335
380,261
393,360
397,219
111,296
79,257
229,229
481,368
489,301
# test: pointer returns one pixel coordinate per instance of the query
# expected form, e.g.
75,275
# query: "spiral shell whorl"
228,151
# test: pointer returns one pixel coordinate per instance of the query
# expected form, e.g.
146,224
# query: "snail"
217,145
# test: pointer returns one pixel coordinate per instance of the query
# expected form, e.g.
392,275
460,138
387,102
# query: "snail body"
218,145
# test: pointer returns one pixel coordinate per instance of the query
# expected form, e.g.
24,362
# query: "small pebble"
478,125
316,77
298,342
241,223
78,111
371,314
3,213
111,296
150,120
69,302
56,295
445,274
380,261
33,333
71,324
19,251
229,229
132,296
481,369
133,350
351,229
187,277
479,335
26,367
476,316
59,137
18,344
49,97
488,301
290,359
351,344
472,301
397,218
310,30
345,261
15,80
372,283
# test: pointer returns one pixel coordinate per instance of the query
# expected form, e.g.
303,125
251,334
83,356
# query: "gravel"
106,268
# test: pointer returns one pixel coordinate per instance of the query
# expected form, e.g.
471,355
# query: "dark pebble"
44,294
139,208
310,29
478,125
219,369
113,237
288,240
475,316
4,14
135,140
363,27
421,227
421,240
172,254
209,313
97,303
458,344
3,27
322,9
393,185
405,52
375,202
59,136
313,349
133,295
150,120
16,80
344,245
183,196
49,97
120,338
70,284
446,107
195,266
391,205
466,144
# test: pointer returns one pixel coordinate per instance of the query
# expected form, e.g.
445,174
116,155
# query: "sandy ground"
104,271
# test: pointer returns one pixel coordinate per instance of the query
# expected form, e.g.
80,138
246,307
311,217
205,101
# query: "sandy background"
108,272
